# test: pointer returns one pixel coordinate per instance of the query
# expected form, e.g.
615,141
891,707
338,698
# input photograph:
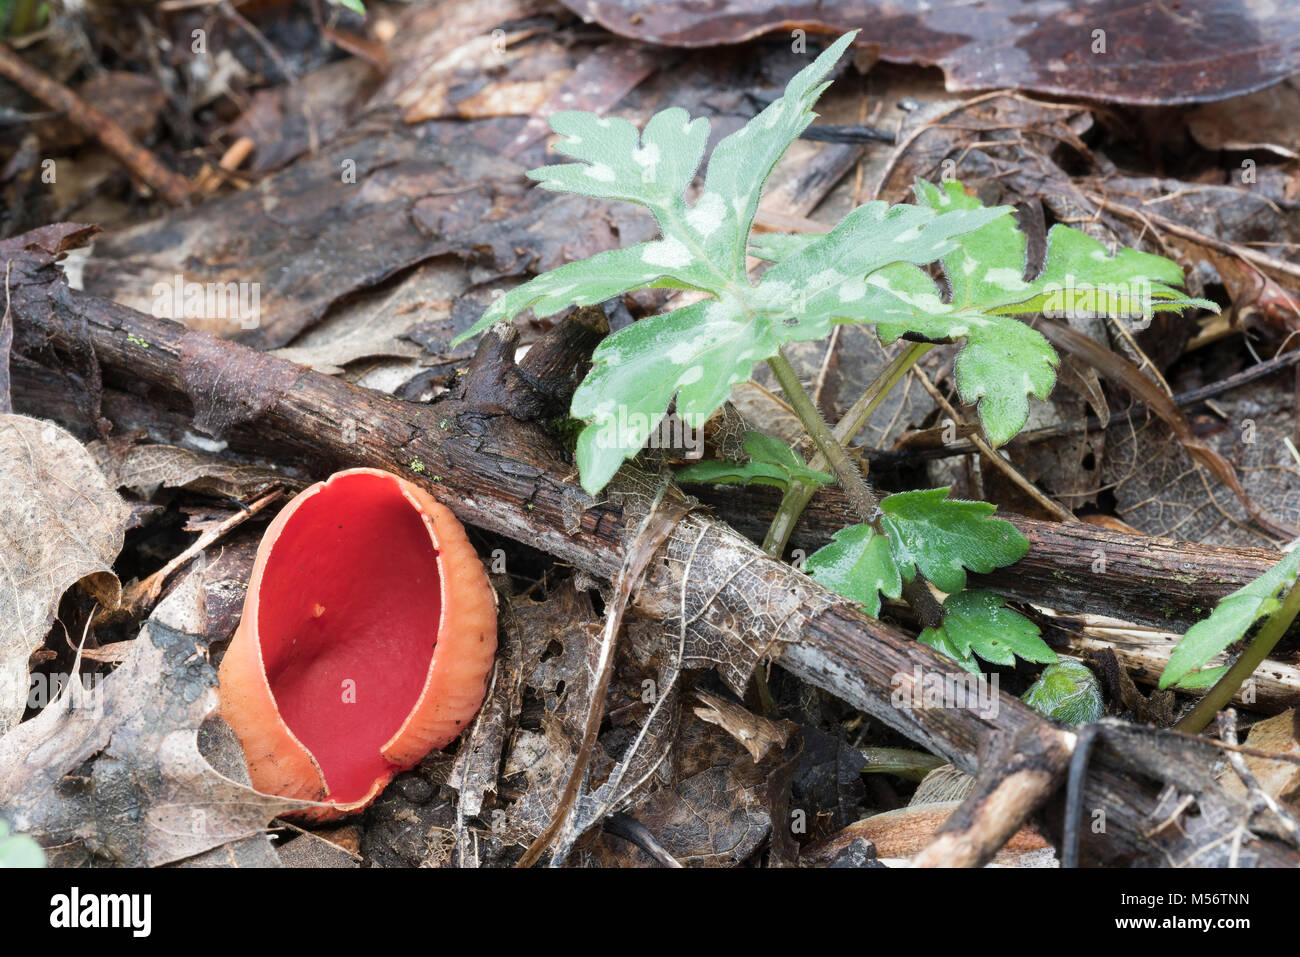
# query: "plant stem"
798,495
860,496
1264,641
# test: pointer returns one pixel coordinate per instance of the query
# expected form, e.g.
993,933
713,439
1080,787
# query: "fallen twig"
143,164
500,470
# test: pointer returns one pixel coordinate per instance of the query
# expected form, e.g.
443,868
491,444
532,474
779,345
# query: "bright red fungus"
367,638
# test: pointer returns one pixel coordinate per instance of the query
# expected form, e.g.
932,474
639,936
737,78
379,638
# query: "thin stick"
144,165
1010,471
654,528
146,592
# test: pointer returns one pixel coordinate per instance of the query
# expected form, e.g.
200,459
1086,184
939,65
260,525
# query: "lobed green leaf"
979,623
944,537
857,563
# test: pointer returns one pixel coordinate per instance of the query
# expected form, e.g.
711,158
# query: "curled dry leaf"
149,797
60,524
756,733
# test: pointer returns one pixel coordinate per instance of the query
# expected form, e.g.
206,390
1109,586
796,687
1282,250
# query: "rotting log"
481,453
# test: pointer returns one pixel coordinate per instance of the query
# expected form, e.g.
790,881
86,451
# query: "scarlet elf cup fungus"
368,635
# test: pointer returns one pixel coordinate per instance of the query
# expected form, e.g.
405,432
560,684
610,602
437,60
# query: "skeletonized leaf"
151,797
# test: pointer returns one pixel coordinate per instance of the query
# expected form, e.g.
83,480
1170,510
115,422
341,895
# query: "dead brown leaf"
60,524
143,468
758,735
120,777
1280,780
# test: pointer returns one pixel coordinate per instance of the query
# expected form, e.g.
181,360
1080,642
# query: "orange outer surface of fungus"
367,640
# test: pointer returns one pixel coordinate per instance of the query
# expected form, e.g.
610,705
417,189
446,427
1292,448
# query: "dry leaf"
1280,780
60,523
903,832
756,733
142,468
116,771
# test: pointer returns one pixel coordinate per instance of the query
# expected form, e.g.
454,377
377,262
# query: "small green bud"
1067,692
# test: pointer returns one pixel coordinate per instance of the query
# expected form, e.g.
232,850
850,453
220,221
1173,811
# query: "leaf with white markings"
1003,364
771,462
694,355
1229,622
1004,361
866,269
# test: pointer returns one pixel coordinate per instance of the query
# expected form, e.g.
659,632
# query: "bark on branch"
1076,568
481,453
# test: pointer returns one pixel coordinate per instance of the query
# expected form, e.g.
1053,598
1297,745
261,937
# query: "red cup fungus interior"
348,619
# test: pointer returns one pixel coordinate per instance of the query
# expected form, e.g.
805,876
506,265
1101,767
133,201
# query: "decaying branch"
1073,567
1022,775
498,469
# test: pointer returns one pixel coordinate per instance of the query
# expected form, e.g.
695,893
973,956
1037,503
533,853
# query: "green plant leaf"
1230,620
1205,678
980,623
857,564
651,168
999,367
696,354
986,273
19,850
826,279
944,537
938,639
587,282
723,473
742,162
866,270
771,462
1068,692
925,529
1004,361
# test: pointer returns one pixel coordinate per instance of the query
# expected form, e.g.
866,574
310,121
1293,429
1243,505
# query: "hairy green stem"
798,495
859,494
1264,641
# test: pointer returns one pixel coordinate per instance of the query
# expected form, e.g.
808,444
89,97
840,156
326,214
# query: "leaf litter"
696,765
